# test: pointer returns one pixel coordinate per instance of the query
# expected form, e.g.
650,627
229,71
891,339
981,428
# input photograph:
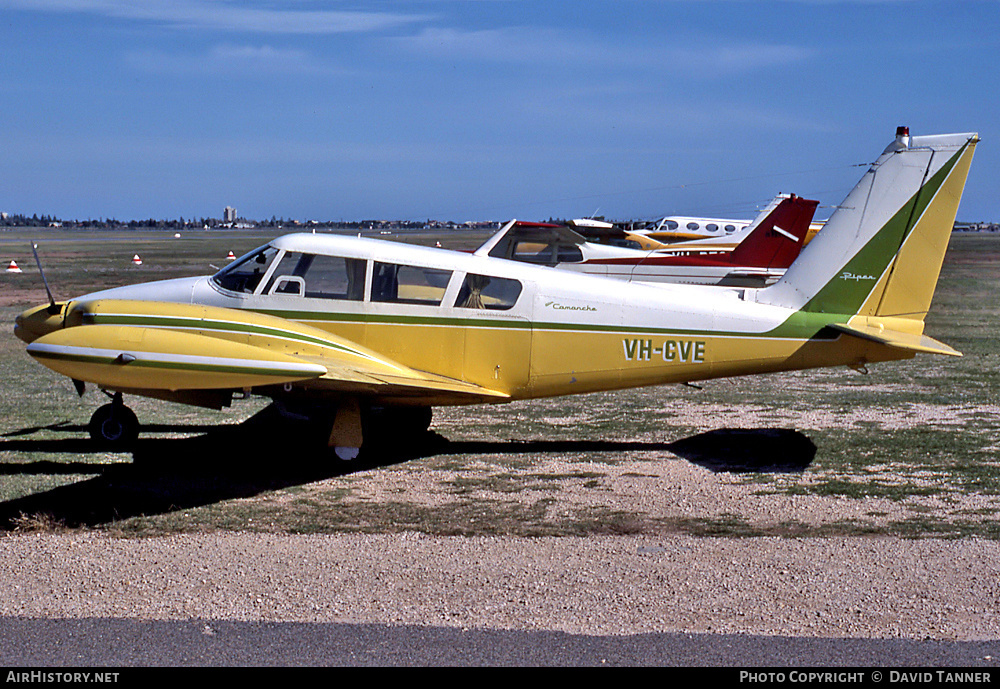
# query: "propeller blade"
52,302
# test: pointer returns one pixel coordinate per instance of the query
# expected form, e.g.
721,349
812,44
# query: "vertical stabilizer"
880,253
778,238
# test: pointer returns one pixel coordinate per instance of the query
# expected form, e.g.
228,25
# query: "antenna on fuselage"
53,309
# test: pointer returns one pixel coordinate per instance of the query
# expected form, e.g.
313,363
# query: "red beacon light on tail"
903,136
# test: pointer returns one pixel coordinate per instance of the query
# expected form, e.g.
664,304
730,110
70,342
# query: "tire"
114,424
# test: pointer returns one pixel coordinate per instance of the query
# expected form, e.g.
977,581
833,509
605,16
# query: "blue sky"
479,110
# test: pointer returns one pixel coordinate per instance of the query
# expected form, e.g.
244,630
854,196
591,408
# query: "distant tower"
230,214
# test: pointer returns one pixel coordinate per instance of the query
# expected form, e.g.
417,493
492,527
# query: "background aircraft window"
245,275
625,243
402,284
485,292
692,226
712,227
325,277
730,229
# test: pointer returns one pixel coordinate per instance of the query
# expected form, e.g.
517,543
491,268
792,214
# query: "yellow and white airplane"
342,325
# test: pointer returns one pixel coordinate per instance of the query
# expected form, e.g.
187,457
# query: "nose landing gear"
114,424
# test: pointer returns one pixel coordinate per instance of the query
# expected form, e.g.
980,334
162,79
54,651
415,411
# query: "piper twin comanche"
758,260
346,327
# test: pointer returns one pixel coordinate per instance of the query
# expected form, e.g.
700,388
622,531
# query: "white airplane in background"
678,232
683,228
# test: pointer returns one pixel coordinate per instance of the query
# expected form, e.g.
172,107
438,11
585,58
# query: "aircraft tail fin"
880,253
777,240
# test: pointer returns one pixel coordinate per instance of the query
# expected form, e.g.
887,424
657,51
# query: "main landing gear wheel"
114,424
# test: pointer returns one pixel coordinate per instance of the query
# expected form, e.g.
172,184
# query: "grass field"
911,449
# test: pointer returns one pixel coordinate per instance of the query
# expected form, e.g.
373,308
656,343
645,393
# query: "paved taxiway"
124,643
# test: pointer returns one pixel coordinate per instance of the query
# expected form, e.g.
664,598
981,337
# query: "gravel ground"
605,585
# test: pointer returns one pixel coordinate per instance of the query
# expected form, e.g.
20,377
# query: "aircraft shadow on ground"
768,450
269,452
734,450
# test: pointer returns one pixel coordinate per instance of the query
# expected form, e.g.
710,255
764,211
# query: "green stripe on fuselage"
202,324
799,327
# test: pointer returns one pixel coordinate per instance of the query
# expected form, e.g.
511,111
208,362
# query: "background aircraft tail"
878,258
779,237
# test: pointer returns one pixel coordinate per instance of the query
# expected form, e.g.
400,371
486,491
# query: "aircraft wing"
347,378
162,346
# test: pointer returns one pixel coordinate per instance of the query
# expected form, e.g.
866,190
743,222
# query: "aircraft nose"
38,321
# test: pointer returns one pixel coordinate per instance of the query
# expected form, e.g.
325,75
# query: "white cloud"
527,45
523,45
223,15
233,60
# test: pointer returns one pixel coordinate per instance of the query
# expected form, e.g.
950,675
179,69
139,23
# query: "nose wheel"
114,424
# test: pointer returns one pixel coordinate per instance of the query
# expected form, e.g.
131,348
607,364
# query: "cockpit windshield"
245,274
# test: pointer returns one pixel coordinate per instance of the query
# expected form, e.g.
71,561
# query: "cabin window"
693,226
402,284
569,253
547,253
487,292
672,225
290,285
318,276
532,252
730,229
246,274
712,227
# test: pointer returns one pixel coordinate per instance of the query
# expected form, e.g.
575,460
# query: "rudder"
880,253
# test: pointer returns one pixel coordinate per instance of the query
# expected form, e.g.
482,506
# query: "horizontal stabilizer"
897,338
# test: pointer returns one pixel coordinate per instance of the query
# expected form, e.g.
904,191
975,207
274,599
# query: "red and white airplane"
772,243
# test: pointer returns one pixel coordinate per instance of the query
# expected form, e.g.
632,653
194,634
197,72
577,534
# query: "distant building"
976,227
229,215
